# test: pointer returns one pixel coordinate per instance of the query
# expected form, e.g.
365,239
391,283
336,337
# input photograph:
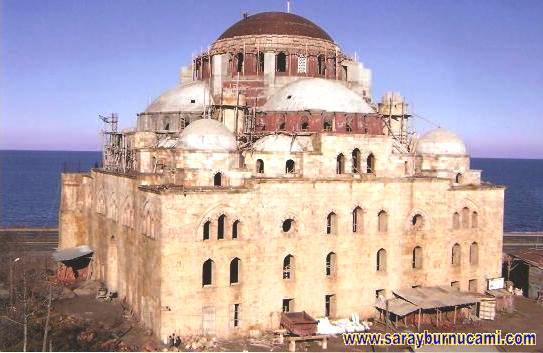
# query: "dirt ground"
83,323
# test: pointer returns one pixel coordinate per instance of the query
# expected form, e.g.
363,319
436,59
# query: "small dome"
208,135
184,98
441,141
283,143
316,94
275,23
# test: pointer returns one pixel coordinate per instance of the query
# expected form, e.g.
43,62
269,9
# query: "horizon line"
99,151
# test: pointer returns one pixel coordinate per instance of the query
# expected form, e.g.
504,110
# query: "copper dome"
275,23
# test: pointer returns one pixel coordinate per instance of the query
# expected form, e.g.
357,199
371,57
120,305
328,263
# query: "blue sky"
475,67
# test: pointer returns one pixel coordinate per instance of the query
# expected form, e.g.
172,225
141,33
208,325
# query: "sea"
30,186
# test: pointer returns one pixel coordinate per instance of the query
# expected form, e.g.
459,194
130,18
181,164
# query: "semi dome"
184,98
317,94
283,143
207,135
441,141
275,23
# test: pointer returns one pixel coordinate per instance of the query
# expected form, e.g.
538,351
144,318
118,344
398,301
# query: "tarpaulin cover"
72,253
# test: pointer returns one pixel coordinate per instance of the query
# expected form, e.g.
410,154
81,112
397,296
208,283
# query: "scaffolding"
117,152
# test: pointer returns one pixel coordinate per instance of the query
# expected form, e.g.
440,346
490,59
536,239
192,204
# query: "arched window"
417,221
456,220
281,124
331,264
259,166
349,124
288,267
455,255
289,167
207,229
474,253
370,164
465,217
239,62
220,226
331,223
458,179
382,260
327,124
356,160
340,164
382,222
417,257
217,179
474,220
288,225
281,64
302,64
321,65
304,124
358,221
234,270
207,272
236,229
260,62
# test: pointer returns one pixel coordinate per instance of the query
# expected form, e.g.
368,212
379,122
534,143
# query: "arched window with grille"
358,220
289,167
302,64
331,266
340,164
288,267
331,223
321,65
370,163
356,160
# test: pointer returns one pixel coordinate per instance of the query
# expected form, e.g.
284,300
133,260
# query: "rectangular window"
472,286
330,305
302,64
455,285
288,305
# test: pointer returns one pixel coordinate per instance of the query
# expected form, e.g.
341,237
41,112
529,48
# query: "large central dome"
275,23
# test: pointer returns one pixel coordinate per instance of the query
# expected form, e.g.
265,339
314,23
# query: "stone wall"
262,245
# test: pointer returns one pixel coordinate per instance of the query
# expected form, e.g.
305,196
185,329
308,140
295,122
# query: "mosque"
270,180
